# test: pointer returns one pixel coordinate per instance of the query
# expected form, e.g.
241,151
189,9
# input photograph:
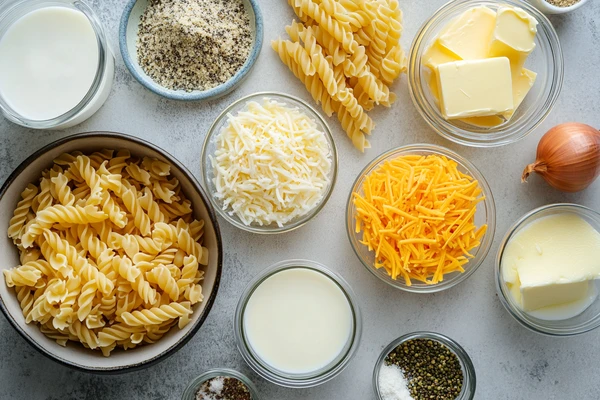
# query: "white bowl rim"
209,302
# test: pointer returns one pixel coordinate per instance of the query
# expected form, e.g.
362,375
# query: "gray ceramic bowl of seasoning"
236,392
128,42
467,392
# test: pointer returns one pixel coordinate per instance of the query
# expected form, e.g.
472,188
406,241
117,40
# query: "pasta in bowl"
112,245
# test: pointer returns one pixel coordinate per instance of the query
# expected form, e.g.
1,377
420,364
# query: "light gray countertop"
511,362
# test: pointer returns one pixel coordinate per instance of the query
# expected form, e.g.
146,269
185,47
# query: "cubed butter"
513,36
490,121
436,54
552,262
475,88
552,294
469,35
481,122
522,84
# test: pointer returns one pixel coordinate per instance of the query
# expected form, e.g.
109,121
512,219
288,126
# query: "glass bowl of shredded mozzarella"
269,163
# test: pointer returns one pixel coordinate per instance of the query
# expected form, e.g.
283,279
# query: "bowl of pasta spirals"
112,255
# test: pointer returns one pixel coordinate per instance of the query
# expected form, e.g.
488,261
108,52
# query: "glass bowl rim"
470,379
287,380
489,203
190,390
459,135
104,55
301,221
504,298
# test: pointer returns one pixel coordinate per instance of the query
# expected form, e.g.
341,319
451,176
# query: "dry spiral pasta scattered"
110,253
347,53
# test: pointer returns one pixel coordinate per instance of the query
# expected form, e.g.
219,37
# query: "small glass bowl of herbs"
424,365
221,384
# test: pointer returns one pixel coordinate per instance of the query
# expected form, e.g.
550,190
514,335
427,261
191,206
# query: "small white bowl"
74,355
548,8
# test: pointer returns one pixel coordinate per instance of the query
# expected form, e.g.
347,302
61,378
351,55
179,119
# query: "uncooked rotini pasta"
111,255
348,54
17,222
313,84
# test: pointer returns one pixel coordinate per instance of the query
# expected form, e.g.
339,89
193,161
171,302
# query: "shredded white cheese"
271,164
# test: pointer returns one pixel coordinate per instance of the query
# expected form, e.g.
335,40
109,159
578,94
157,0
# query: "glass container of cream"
59,69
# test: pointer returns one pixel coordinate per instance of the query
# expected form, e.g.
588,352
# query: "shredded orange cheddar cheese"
418,214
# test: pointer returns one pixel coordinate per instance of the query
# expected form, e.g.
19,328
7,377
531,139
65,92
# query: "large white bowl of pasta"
110,254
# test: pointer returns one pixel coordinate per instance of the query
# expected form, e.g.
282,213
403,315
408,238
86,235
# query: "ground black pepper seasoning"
223,388
193,44
433,371
563,3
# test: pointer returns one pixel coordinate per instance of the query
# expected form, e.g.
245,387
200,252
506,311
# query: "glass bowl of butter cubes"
485,73
548,270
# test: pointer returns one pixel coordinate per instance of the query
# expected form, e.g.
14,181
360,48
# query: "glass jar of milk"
57,69
298,324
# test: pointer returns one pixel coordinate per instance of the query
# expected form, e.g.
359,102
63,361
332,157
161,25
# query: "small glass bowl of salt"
222,383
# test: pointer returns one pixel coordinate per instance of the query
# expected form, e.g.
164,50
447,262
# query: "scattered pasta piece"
347,53
110,252
417,213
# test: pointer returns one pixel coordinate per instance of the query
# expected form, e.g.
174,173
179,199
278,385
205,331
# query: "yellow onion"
568,157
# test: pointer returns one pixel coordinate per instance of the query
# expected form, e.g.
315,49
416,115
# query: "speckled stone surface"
511,362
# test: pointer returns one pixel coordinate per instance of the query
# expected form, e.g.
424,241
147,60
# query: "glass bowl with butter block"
421,218
548,270
269,162
297,324
485,73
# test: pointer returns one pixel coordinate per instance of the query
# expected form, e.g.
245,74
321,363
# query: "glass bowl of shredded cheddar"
269,163
421,218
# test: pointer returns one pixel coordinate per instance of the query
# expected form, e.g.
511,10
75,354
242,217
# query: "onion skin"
568,157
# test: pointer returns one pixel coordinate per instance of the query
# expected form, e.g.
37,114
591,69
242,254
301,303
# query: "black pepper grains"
193,44
433,370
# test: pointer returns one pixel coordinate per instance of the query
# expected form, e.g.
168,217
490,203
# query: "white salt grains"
392,384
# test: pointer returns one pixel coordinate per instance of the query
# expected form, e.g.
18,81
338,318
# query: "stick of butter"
436,54
469,35
514,36
481,122
522,83
475,88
